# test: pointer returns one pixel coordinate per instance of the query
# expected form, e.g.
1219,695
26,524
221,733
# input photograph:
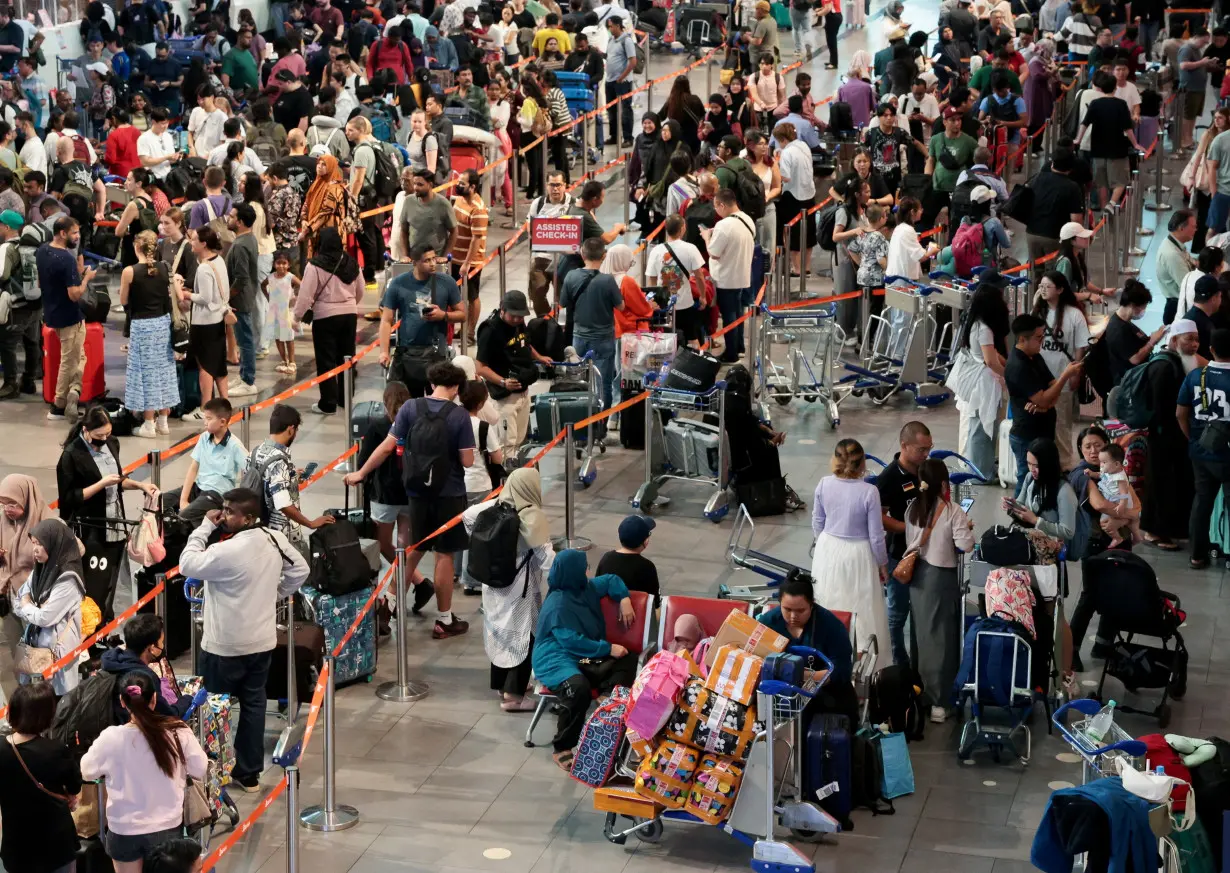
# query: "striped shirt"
1080,32
472,217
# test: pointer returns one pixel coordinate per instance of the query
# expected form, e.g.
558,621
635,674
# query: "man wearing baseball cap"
1204,418
763,38
23,323
505,359
638,572
1207,301
947,155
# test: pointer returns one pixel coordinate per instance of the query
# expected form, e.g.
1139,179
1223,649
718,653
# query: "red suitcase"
93,380
465,156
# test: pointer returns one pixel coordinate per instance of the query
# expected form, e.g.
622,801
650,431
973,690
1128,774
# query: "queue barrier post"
804,252
542,164
404,690
292,687
584,125
619,124
1136,218
1141,187
194,649
571,541
245,425
292,810
503,267
160,599
1110,216
752,332
348,406
709,76
514,167
154,459
1123,232
331,816
628,199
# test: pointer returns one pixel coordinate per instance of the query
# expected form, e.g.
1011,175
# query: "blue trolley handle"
784,689
944,454
1085,706
190,585
202,694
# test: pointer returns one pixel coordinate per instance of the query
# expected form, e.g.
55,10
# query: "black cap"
992,278
1206,287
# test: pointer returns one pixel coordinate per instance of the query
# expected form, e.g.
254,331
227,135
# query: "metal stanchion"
776,284
1136,218
514,167
404,690
463,341
628,196
709,77
160,599
1108,246
571,541
752,332
645,259
292,809
245,426
544,146
332,816
584,125
503,271
1159,190
618,132
194,640
1123,235
292,686
154,459
804,252
348,408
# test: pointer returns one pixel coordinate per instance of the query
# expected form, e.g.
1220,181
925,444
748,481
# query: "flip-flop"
563,760
1165,546
522,705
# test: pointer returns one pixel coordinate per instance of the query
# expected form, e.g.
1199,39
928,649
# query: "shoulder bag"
32,660
63,798
904,571
198,811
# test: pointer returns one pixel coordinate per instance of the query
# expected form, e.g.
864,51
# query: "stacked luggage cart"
574,395
807,370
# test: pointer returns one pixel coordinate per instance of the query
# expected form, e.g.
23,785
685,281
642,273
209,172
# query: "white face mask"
1137,316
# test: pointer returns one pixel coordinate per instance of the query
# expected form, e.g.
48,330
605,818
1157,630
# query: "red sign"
555,234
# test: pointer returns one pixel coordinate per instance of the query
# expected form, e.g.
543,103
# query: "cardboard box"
744,632
735,674
623,800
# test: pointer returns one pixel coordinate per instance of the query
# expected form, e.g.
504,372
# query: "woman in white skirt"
150,384
849,565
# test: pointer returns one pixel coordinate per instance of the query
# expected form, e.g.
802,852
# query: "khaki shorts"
1193,104
1111,172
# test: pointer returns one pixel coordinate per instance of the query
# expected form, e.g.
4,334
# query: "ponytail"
233,151
932,477
137,690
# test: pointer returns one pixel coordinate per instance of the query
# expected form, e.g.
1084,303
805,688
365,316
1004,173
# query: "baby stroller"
1126,594
994,686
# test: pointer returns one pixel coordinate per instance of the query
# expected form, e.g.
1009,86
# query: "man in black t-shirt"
627,562
1057,200
1206,297
898,485
293,103
505,360
1033,390
1112,138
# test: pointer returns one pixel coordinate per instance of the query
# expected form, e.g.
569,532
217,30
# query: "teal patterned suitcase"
335,615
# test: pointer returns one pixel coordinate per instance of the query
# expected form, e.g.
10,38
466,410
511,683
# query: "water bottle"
1100,724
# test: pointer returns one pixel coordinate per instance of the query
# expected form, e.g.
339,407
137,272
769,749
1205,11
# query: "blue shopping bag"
898,771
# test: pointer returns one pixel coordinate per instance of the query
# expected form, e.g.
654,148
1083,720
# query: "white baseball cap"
981,194
1074,229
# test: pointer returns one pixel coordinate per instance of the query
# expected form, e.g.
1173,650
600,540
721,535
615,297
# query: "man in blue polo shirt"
217,464
1204,416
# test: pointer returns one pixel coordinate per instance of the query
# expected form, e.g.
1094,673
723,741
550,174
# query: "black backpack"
841,118
894,698
1097,368
338,565
827,224
85,712
749,189
1002,111
1211,785
867,773
493,547
546,337
961,204
426,462
384,181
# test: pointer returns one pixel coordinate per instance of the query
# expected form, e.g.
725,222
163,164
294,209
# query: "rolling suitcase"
554,410
309,658
827,760
692,447
1007,460
364,414
632,419
93,380
335,615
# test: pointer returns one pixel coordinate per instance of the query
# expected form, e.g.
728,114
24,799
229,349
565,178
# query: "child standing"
1113,485
281,286
870,252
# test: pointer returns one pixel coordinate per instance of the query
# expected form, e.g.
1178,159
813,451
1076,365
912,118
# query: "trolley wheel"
833,422
811,398
602,447
782,399
608,830
1163,716
651,833
805,835
231,810
587,479
880,394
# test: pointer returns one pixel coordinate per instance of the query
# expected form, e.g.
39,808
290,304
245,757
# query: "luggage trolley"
585,372
807,375
678,400
762,801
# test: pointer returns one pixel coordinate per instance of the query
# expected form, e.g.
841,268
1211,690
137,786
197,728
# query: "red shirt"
121,152
383,56
327,18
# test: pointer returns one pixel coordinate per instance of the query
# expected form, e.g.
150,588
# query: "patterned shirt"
472,217
281,487
869,247
37,94
282,209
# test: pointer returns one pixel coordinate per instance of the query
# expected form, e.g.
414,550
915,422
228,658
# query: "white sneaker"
243,389
194,415
146,431
162,425
939,715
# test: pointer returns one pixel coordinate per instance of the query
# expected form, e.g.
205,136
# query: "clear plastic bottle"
1100,724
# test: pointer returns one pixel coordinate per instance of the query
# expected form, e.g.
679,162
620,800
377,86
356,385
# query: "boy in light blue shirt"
217,463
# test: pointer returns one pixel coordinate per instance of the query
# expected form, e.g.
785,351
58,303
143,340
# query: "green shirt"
241,67
1220,151
961,148
981,82
1173,263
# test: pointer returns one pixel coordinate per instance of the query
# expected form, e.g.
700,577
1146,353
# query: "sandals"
519,705
563,760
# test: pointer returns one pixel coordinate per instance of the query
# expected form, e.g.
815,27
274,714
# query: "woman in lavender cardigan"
850,560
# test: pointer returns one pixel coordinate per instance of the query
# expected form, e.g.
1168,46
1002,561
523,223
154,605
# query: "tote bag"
898,771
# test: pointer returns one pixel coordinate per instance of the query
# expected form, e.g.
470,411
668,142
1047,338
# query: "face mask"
1137,316
98,444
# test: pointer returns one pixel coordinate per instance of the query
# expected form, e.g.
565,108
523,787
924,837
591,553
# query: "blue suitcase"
782,667
826,759
335,615
575,79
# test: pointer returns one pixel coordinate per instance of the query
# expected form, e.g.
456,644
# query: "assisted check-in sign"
561,234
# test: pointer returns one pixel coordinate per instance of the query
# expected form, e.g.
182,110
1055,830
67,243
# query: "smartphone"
966,504
427,310
309,470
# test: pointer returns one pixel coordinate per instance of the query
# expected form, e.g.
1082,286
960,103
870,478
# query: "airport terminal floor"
446,783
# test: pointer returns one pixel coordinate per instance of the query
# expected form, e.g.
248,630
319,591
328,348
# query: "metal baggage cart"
582,369
678,400
806,374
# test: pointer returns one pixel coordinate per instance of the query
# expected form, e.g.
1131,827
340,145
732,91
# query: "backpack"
967,245
426,464
264,144
1097,368
546,337
443,164
961,204
85,712
384,181
493,547
704,292
81,149
700,213
317,148
1020,204
1131,395
1002,111
894,698
383,121
338,565
749,189
827,224
147,218
253,478
841,118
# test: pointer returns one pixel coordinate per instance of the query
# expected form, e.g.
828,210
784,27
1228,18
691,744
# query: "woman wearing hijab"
21,508
739,106
717,121
642,152
511,613
686,634
325,203
331,289
1041,87
637,309
49,601
571,654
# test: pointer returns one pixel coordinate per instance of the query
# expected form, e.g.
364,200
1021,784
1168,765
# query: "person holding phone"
424,300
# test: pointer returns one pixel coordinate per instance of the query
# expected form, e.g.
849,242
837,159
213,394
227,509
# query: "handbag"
218,224
763,497
29,659
692,371
179,320
1006,547
145,542
197,810
904,571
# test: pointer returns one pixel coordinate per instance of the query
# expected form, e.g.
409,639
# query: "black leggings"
576,694
832,24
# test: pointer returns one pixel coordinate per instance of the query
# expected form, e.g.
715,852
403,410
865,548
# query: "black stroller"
1126,594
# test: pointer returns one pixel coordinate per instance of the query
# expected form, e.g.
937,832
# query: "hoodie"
570,625
1102,816
442,52
327,131
121,661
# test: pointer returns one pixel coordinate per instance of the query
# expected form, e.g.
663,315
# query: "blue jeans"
1020,447
897,598
1219,212
243,677
245,338
730,304
278,13
604,359
618,89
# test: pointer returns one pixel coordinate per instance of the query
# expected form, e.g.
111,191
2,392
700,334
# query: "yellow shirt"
540,40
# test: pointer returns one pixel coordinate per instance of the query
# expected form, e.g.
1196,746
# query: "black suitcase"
362,417
92,856
309,659
632,419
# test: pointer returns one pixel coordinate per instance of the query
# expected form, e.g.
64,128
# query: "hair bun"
923,486
133,691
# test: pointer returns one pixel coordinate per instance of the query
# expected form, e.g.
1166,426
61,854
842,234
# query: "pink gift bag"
665,673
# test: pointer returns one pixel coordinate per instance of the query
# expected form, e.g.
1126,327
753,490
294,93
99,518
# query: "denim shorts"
133,847
388,513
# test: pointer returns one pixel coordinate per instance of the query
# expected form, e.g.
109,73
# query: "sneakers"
939,715
162,425
243,389
287,367
55,413
71,405
9,391
423,592
146,431
28,386
250,784
194,415
316,408
455,628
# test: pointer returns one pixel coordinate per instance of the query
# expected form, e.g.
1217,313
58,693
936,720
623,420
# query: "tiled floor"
446,784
